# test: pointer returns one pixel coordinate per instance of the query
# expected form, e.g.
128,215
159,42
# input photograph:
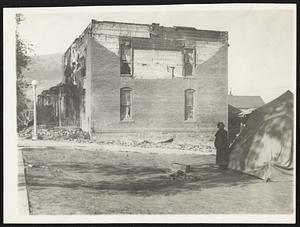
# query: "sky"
261,55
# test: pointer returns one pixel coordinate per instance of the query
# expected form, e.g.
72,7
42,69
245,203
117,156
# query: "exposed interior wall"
157,64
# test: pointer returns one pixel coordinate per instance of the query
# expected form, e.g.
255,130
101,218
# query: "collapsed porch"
62,105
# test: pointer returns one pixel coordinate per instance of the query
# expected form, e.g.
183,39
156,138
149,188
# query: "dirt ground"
81,181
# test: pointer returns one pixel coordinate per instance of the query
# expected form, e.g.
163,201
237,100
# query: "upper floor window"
82,63
125,104
189,61
125,58
189,104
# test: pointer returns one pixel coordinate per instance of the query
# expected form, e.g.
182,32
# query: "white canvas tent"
265,146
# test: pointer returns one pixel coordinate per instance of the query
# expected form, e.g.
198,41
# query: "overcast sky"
262,42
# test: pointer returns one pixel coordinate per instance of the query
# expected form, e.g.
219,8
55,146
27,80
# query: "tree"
22,60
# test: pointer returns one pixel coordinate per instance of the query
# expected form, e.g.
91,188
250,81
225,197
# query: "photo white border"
10,162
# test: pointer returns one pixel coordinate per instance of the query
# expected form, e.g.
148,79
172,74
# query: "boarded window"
189,104
125,58
189,61
125,104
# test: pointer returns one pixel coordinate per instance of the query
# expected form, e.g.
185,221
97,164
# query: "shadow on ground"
133,180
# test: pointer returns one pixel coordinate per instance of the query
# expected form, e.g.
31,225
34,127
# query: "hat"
220,124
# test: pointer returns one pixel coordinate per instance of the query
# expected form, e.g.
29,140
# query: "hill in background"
46,69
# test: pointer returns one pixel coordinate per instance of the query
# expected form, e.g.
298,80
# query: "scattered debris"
181,167
36,166
179,171
168,141
80,136
143,142
179,174
55,133
169,145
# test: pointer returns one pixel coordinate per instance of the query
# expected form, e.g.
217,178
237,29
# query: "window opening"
125,108
125,57
189,105
189,61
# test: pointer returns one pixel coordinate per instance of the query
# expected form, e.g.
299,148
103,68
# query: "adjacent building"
245,103
239,109
132,78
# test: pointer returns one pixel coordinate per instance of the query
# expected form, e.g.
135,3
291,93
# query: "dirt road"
81,181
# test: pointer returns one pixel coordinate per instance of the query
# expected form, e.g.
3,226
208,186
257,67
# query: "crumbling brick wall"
75,74
157,104
157,78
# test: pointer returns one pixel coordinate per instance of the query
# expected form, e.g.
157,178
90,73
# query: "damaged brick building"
132,78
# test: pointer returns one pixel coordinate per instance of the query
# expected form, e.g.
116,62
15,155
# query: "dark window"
83,66
125,58
189,104
125,104
48,100
189,61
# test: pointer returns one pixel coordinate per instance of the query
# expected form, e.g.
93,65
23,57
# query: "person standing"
221,145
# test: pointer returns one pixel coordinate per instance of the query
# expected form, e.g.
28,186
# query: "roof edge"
158,24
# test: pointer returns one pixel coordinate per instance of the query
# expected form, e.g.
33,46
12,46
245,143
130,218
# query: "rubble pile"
54,133
77,135
26,132
170,145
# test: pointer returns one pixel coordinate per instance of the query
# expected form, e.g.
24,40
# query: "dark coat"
221,144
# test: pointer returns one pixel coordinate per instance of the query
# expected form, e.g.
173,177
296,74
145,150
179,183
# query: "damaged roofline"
158,24
93,21
115,22
80,36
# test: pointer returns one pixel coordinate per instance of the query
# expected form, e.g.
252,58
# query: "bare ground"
81,181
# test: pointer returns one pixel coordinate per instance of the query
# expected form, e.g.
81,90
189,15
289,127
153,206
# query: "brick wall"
158,104
121,29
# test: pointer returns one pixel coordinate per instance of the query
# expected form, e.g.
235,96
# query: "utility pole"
34,135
